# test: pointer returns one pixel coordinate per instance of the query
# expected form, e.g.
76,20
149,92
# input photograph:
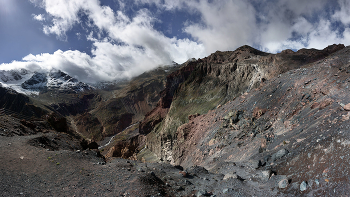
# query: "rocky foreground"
38,161
282,131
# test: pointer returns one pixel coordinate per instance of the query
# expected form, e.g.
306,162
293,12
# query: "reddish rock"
257,112
347,107
183,173
325,103
193,116
124,149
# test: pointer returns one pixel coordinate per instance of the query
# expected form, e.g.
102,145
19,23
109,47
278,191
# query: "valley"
235,123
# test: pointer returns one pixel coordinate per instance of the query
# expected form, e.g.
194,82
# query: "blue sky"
106,40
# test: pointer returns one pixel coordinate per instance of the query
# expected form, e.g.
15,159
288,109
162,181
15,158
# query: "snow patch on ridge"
27,82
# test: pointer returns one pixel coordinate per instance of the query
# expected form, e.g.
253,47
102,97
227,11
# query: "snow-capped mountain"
13,75
27,82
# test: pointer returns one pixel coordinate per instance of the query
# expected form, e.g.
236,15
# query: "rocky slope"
39,161
293,126
99,113
241,123
282,130
212,81
19,103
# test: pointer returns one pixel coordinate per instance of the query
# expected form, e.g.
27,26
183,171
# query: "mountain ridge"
236,123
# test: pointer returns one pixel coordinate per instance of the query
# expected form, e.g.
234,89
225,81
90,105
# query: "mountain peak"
27,82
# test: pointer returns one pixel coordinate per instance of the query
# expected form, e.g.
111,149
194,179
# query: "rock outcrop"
287,133
204,84
19,103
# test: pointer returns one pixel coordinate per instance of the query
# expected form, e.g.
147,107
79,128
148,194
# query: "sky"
105,40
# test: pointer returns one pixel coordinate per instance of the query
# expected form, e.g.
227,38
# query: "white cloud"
323,35
344,12
64,13
109,61
223,26
272,25
125,46
140,47
164,4
39,17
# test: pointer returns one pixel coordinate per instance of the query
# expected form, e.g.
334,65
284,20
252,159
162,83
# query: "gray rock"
203,193
265,175
283,184
303,186
281,153
230,176
253,164
262,175
317,182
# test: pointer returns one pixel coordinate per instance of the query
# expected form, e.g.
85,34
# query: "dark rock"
28,124
197,170
44,142
180,188
179,167
93,145
187,182
35,81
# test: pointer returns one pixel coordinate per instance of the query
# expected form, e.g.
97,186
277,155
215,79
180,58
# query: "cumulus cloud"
130,47
39,17
125,45
270,25
223,27
344,12
108,61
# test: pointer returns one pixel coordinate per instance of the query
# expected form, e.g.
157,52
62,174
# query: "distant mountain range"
236,123
28,82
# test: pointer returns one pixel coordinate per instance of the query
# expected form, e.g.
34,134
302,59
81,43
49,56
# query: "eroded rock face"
166,96
19,103
58,122
37,81
206,83
124,149
292,126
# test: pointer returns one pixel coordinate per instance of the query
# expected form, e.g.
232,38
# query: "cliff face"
294,126
19,103
92,112
207,83
102,113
